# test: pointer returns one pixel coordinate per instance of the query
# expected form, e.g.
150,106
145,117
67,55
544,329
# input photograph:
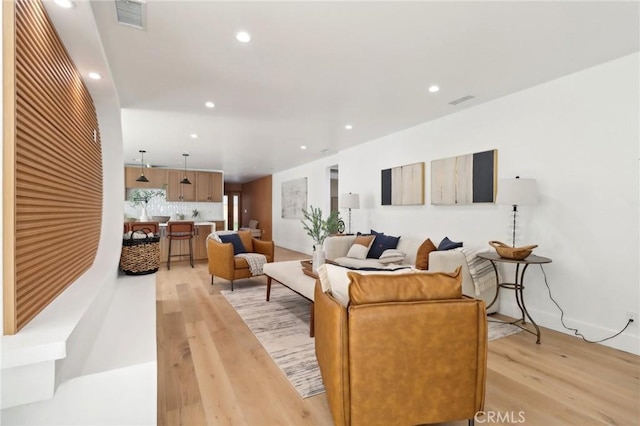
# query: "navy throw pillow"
234,239
447,244
380,244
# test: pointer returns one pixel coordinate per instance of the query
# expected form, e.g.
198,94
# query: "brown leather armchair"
409,349
223,264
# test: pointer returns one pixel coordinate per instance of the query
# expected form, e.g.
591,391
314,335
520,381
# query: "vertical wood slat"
8,167
53,173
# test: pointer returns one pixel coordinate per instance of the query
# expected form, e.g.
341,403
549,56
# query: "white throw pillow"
392,256
358,251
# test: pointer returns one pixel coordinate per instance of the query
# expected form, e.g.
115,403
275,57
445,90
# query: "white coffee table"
290,275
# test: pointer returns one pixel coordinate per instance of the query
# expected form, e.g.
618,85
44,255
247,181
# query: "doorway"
333,191
232,209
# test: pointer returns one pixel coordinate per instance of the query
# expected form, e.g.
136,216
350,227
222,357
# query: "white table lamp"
516,192
350,201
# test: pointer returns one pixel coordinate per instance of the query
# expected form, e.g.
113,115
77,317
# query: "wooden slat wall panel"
58,169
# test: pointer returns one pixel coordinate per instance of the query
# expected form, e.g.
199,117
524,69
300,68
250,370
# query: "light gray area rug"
282,327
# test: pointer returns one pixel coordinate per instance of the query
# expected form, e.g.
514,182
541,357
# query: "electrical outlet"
633,316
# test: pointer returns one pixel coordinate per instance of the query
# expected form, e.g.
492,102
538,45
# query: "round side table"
517,285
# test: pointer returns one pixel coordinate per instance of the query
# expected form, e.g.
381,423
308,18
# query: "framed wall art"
465,179
403,185
294,198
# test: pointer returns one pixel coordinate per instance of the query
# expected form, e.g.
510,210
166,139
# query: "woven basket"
514,253
140,256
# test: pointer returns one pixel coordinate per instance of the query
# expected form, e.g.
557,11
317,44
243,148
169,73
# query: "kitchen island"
181,247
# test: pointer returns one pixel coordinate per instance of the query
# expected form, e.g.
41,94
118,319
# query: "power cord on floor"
575,330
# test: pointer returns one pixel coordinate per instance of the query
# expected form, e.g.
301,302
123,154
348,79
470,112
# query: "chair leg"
191,251
231,285
211,279
169,256
472,422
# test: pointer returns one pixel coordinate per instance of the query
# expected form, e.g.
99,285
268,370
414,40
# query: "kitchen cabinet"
157,178
209,186
177,191
200,242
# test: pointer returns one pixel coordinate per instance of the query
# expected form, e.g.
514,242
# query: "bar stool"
145,226
183,230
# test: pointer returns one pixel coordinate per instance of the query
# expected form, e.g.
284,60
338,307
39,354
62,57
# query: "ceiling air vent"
460,100
130,12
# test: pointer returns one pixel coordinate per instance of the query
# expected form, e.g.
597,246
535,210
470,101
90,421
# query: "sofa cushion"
447,244
422,256
240,263
376,288
391,256
358,251
380,244
364,240
234,239
361,246
353,263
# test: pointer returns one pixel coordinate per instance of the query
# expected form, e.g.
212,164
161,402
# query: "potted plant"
140,197
318,229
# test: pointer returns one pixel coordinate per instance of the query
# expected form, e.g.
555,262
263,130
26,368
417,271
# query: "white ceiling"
313,67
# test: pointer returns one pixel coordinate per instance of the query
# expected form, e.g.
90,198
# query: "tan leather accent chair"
223,264
409,349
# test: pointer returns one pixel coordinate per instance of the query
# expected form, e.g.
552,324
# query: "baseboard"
629,341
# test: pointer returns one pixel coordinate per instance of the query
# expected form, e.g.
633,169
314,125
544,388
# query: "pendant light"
185,181
142,177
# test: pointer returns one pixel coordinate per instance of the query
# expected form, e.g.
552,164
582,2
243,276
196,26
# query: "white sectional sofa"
337,247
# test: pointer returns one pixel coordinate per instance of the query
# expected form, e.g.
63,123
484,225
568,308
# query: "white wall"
578,136
288,232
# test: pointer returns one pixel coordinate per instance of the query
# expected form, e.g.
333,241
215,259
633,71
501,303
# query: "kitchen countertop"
164,225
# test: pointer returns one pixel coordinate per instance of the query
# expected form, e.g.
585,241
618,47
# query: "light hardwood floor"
213,371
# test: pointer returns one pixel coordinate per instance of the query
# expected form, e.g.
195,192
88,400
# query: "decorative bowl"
514,253
161,219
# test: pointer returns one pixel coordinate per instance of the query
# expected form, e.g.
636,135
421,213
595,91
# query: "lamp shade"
517,191
350,201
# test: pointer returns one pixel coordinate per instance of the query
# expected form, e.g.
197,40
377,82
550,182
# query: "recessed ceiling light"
209,104
94,76
433,89
348,127
243,37
194,135
303,147
67,4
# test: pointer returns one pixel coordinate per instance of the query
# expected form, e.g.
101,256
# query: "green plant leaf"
317,228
